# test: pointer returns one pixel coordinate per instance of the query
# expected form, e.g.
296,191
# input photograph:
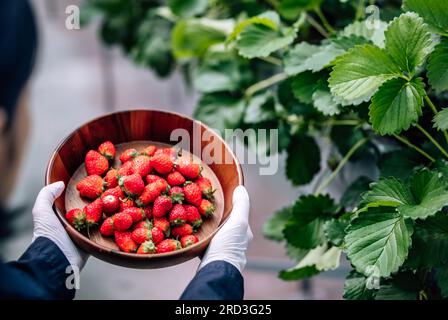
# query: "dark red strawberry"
107,228
162,163
193,194
168,245
206,208
162,205
157,235
163,224
77,218
96,163
148,212
122,221
132,185
177,215
90,187
126,169
175,178
141,165
128,154
206,187
150,178
126,203
149,150
177,194
193,216
107,149
180,231
111,178
111,204
143,224
146,247
124,241
189,240
93,212
117,192
149,194
137,214
188,169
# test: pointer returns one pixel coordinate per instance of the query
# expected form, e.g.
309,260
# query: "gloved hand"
47,225
231,241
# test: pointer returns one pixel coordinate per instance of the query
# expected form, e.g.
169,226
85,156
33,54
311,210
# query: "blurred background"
77,79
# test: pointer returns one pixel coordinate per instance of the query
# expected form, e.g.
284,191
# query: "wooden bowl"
138,128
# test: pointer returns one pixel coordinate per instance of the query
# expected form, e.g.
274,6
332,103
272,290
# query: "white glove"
231,241
47,225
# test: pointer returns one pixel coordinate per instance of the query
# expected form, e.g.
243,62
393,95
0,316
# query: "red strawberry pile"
153,203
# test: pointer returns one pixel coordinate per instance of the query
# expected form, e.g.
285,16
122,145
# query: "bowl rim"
100,248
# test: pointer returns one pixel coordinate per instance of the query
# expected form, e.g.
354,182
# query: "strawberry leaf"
441,120
290,9
187,8
378,241
403,286
303,160
273,228
361,29
433,11
438,67
355,287
397,105
269,19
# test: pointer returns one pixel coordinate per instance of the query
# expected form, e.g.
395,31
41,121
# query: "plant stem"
434,109
347,122
324,20
341,164
360,10
434,141
265,84
412,146
272,60
317,26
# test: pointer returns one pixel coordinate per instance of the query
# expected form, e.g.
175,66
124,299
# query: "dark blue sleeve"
40,273
218,280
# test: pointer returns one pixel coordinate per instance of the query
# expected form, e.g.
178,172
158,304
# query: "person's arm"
219,275
41,272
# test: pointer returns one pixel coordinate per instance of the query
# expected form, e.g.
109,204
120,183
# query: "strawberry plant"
375,86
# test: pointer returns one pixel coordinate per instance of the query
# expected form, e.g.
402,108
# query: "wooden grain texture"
137,128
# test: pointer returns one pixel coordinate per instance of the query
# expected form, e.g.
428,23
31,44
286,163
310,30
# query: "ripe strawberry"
126,169
177,215
90,187
163,224
162,163
175,178
107,228
170,152
137,214
206,208
189,240
176,194
124,241
180,231
150,178
148,212
193,194
128,154
93,212
111,204
193,216
141,235
107,149
157,235
188,169
149,150
116,192
162,185
149,194
143,224
122,221
111,178
206,187
168,245
146,247
96,163
132,185
126,203
77,218
142,165
162,205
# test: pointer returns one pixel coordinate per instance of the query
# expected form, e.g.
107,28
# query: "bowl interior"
137,128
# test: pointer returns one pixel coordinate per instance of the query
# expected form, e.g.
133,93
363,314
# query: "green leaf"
388,192
290,9
191,38
438,67
441,119
317,260
187,8
334,231
269,19
260,108
433,11
442,280
408,41
355,287
378,241
303,161
352,195
348,42
324,101
273,228
397,105
363,29
220,111
296,254
258,40
398,163
305,56
358,74
304,85
310,207
403,286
